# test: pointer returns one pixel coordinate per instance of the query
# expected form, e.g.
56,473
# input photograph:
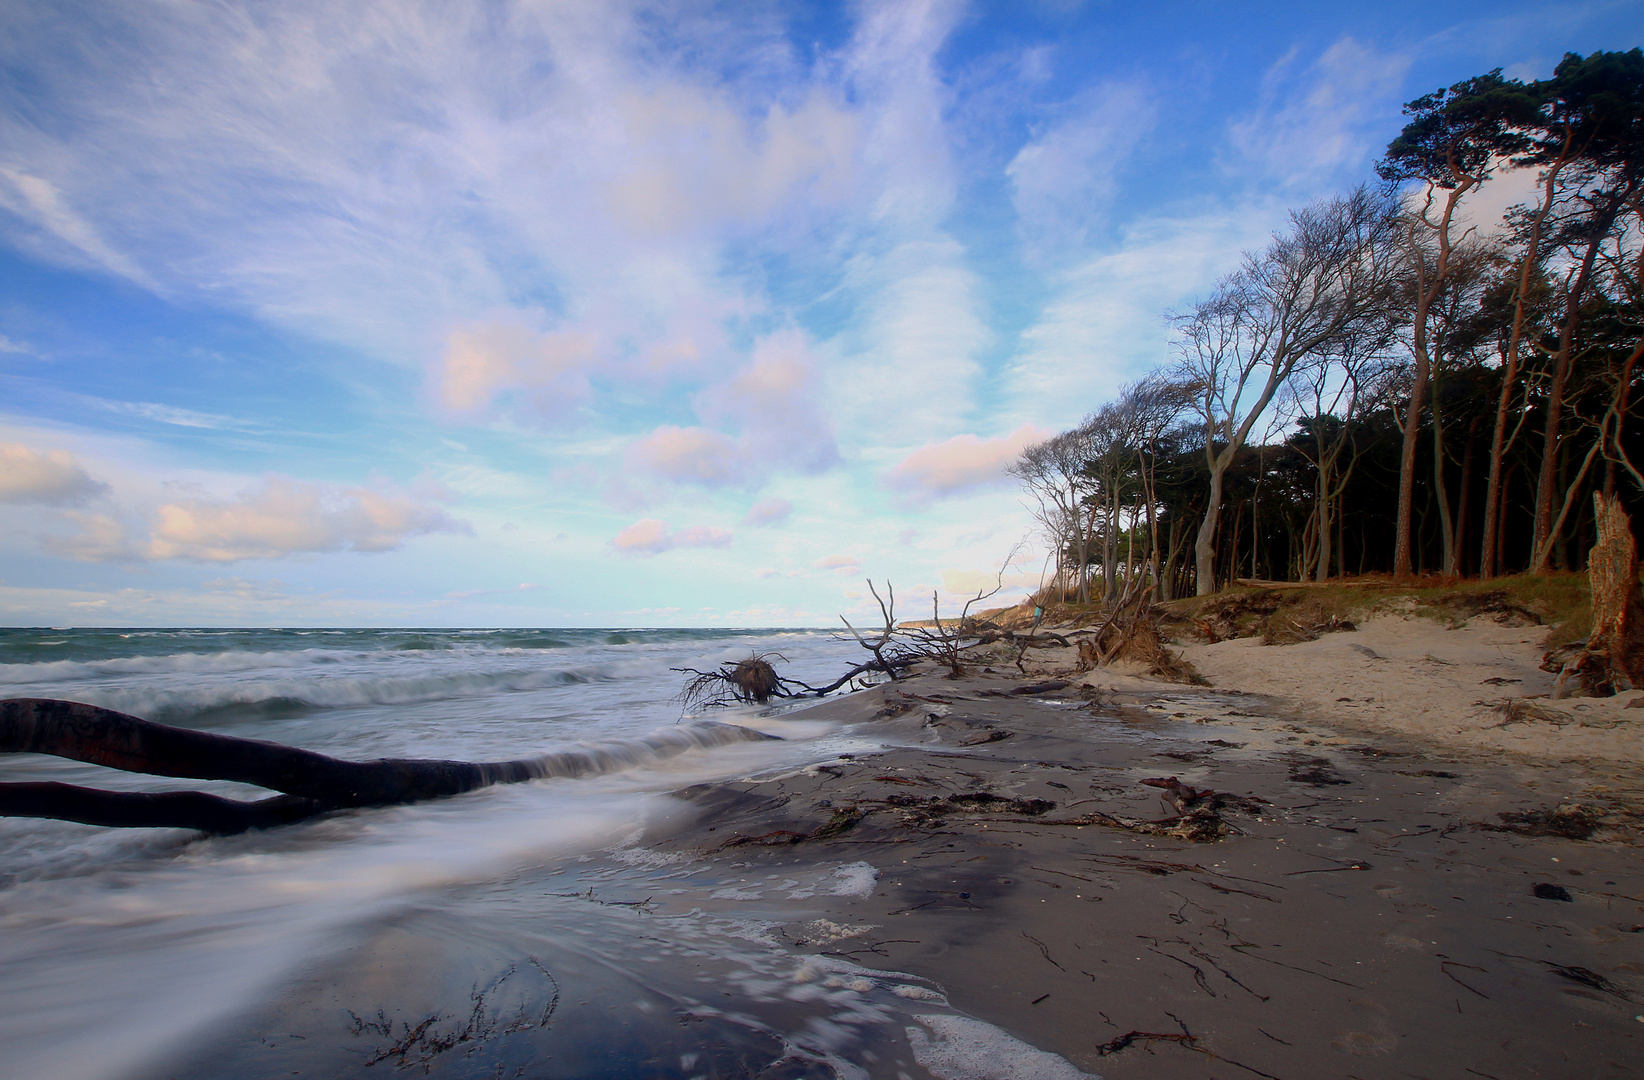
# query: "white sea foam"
964,1048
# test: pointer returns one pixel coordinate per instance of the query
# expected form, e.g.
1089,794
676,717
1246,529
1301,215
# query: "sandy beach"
1407,886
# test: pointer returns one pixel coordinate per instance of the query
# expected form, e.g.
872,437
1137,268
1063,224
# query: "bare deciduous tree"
1322,281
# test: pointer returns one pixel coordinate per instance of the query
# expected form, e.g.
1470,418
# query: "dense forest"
1392,386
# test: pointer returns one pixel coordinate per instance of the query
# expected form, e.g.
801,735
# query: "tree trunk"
1495,511
1204,546
312,783
1464,497
1407,456
1447,529
1613,658
1563,361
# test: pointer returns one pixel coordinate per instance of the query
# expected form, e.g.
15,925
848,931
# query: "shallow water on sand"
130,951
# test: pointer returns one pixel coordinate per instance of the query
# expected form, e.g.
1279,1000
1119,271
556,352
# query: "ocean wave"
45,671
596,759
273,697
234,661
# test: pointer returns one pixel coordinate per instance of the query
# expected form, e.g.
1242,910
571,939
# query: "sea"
525,930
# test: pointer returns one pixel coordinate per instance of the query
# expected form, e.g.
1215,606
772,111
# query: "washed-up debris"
842,820
1588,977
934,810
1198,812
1573,821
1547,891
1316,772
1522,710
1497,604
1048,687
892,709
1292,631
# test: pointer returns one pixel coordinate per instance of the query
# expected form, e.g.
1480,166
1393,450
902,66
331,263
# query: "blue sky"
616,313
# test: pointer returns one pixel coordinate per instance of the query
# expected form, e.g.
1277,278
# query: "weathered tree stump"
1613,657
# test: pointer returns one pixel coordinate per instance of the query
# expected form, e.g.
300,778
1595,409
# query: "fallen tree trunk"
101,736
159,810
312,783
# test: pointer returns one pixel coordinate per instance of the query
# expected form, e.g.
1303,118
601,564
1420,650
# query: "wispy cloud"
169,414
61,231
1065,179
771,404
1319,124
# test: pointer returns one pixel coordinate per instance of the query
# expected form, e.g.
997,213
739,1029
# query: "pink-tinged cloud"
650,536
692,454
44,477
960,463
773,402
485,360
771,510
770,406
843,565
280,518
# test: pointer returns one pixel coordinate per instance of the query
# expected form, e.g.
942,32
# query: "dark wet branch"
165,809
312,783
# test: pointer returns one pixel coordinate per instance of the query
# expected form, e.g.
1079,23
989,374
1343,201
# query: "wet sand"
1358,922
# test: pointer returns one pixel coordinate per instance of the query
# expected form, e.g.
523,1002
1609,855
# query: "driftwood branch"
312,783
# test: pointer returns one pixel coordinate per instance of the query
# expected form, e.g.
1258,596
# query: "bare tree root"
1131,632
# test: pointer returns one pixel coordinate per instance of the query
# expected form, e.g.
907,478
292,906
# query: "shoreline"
1379,903
1369,913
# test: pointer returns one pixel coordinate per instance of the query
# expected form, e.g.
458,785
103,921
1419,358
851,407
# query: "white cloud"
1318,127
650,536
45,477
962,462
772,510
279,518
380,172
912,362
1063,181
1106,320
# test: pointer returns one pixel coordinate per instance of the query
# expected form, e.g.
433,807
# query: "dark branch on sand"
311,783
